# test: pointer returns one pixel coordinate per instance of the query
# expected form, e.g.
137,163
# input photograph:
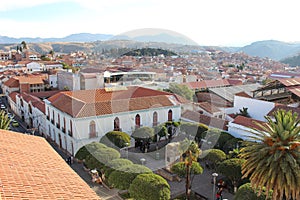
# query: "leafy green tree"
196,130
146,133
181,90
161,131
190,153
99,158
116,139
246,192
232,169
213,156
243,112
123,177
24,45
150,187
4,120
273,156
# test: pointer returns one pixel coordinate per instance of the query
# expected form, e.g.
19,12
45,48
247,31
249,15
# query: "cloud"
7,5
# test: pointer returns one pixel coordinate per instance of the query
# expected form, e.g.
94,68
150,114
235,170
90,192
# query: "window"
116,124
21,102
170,116
30,109
48,116
155,119
58,121
137,121
70,132
92,127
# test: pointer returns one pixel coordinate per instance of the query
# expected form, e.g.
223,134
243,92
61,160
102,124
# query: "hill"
79,37
292,61
149,52
273,49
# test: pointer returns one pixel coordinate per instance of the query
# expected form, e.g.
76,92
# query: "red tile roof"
207,84
35,101
85,103
289,81
31,169
243,94
12,83
213,99
284,107
208,107
209,121
248,122
13,95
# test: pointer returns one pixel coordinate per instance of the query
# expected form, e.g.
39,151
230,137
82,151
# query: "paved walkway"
201,183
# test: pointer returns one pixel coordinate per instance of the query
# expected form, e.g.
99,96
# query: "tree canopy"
150,187
4,120
273,156
116,139
246,192
181,90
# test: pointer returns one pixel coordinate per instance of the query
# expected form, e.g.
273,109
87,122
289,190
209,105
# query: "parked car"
10,115
2,106
14,123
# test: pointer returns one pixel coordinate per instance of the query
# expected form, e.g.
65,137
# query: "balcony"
58,125
52,121
63,130
93,134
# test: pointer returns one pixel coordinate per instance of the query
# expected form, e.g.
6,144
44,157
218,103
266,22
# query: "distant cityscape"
73,95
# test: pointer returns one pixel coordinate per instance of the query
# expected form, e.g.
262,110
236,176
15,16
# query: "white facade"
52,78
34,67
68,80
75,132
240,131
257,109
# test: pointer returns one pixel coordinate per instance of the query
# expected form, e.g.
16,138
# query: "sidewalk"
105,194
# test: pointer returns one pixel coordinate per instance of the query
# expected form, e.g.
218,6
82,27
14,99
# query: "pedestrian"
219,194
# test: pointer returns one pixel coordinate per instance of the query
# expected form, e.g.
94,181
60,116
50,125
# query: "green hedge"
150,187
115,139
123,177
86,150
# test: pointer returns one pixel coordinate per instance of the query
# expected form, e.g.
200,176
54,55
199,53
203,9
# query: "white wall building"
76,118
34,67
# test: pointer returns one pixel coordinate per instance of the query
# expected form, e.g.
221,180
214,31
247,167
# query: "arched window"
155,119
48,116
53,117
58,121
30,109
116,124
92,127
137,121
170,116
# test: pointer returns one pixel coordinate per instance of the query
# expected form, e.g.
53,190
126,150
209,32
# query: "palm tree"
191,152
273,156
4,120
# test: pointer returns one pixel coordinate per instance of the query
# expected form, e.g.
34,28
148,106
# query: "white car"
2,106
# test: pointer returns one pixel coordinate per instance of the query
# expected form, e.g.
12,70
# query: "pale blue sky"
210,22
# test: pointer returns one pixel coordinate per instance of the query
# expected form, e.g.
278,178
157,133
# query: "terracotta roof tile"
12,83
207,84
248,122
284,107
84,103
213,99
13,95
243,94
208,107
31,169
209,121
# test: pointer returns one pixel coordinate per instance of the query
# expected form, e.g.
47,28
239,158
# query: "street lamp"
215,175
142,160
127,146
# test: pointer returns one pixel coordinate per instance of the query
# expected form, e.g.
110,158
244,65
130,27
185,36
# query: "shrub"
214,156
196,130
150,187
116,164
115,139
246,192
123,177
143,133
101,157
86,150
180,169
161,131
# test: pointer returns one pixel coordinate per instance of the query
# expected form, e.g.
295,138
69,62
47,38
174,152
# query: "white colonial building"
76,118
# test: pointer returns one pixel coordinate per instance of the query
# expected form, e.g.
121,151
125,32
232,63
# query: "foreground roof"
31,169
86,103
